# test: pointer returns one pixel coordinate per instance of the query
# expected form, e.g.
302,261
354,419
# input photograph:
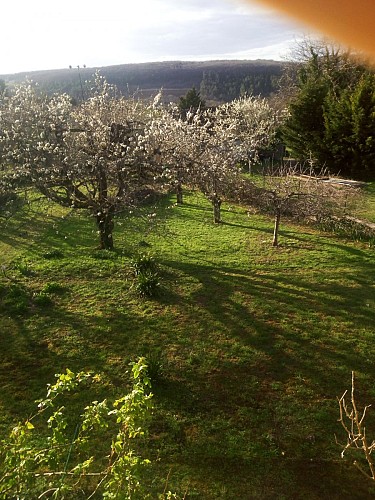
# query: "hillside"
218,81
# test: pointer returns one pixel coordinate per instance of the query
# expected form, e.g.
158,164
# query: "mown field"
256,342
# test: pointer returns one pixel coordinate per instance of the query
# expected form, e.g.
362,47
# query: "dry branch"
353,422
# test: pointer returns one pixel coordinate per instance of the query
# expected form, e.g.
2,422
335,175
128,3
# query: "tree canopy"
331,116
97,156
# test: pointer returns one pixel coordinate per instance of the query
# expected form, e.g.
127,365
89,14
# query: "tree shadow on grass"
327,240
298,339
249,227
296,324
65,233
254,362
279,478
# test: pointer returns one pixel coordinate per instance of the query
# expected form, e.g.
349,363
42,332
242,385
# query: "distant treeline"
225,85
217,81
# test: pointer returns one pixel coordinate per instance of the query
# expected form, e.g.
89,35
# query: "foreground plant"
64,455
353,421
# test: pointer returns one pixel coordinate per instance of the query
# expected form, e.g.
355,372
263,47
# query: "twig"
356,431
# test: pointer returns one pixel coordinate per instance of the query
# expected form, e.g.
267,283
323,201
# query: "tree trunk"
104,220
275,241
216,203
179,194
250,165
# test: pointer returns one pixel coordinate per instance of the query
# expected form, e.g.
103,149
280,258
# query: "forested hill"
218,81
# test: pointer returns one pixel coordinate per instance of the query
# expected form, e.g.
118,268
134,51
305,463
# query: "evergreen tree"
303,131
192,101
350,130
331,116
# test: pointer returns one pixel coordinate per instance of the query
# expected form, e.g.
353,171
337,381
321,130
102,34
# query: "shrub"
154,365
143,263
147,284
145,271
66,463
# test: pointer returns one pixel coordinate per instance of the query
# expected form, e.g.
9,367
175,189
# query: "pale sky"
49,34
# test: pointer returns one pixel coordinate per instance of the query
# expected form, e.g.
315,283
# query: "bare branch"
356,432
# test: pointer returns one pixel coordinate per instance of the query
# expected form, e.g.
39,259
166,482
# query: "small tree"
300,194
201,151
168,136
353,421
212,152
256,123
191,102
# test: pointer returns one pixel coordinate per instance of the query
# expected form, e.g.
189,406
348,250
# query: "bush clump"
42,299
143,263
54,253
146,276
346,227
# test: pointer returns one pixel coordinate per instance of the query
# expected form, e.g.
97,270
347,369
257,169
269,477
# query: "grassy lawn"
367,209
256,342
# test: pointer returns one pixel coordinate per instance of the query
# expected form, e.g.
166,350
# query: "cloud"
44,34
216,31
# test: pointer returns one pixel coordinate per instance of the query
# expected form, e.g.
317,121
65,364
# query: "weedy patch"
349,228
53,288
42,299
24,268
15,299
102,254
54,253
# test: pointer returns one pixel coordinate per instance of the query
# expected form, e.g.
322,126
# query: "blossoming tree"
200,151
209,145
95,156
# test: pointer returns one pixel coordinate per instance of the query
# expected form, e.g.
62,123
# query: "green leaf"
29,425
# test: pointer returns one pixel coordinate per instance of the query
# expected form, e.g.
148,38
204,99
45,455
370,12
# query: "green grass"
367,209
255,342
